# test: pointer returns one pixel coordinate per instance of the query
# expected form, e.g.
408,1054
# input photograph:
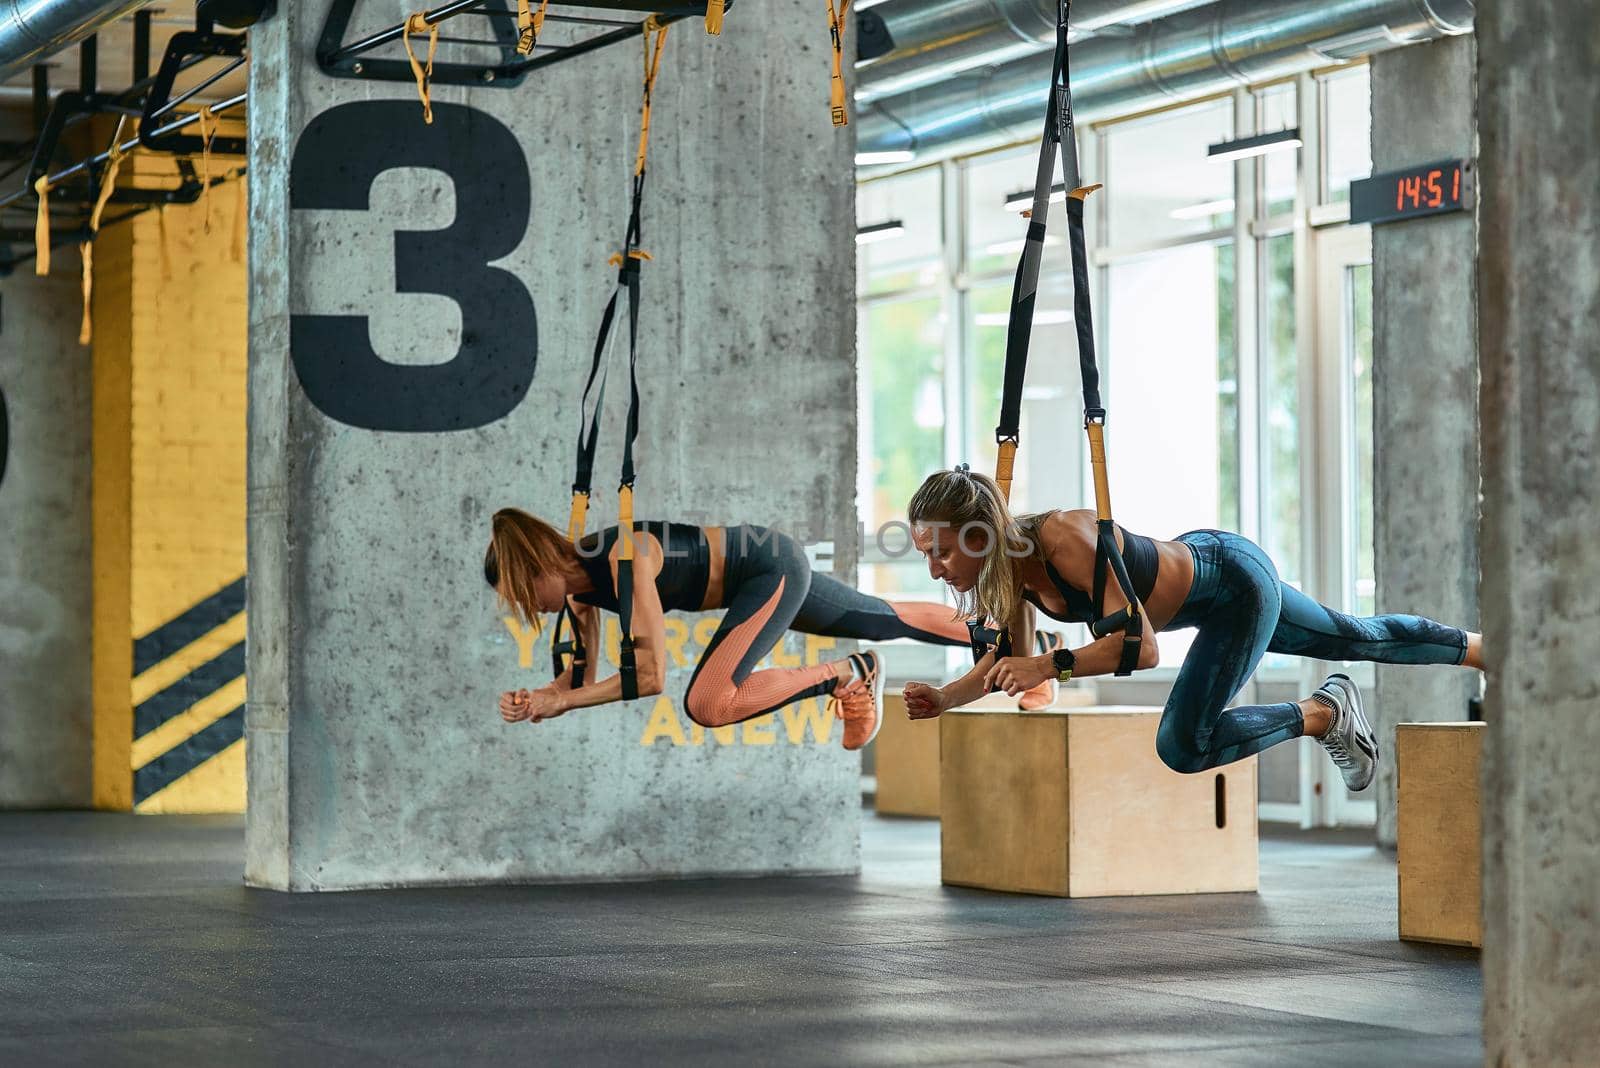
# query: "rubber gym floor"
132,941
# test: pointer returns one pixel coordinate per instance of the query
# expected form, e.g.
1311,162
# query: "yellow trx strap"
417,22
714,10
625,524
841,114
530,24
1004,465
108,185
208,130
655,38
86,324
41,227
108,181
579,518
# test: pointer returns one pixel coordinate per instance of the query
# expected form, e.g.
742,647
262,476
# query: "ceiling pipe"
1184,57
34,30
937,39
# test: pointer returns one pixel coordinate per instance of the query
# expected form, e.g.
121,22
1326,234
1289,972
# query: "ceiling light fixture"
1024,200
884,231
1259,145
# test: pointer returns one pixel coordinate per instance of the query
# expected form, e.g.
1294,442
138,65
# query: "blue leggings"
1243,611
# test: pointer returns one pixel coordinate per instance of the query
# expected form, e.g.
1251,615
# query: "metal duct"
1187,56
936,40
34,30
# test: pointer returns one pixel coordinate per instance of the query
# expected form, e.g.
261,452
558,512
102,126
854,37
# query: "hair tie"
963,469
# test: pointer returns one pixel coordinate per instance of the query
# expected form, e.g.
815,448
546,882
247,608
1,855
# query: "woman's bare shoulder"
1066,525
646,550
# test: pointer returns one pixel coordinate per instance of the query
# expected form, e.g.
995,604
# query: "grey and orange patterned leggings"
771,589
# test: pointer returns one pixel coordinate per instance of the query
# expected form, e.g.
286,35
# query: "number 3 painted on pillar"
336,159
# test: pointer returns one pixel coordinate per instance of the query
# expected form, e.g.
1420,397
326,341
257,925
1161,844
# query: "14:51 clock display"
1429,189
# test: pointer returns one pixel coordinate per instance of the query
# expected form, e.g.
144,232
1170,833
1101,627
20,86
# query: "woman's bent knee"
706,710
1179,753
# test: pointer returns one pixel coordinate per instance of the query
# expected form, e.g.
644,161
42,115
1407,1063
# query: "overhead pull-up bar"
513,55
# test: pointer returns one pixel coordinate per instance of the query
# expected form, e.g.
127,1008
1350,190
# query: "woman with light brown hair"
760,576
1004,566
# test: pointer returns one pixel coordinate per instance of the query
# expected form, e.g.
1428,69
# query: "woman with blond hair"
760,576
1003,566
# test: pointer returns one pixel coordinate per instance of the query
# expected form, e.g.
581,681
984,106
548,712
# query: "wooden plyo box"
907,752
1076,803
1439,823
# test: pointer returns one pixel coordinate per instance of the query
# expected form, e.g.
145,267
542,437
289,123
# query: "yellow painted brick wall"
170,315
188,447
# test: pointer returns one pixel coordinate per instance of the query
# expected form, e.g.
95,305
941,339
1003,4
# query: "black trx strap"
627,263
1059,137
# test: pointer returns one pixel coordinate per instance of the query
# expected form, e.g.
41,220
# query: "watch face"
1063,659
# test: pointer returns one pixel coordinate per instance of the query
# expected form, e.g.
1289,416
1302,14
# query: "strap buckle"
1094,417
1003,437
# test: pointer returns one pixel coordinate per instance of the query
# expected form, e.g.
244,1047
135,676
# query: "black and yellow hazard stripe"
188,714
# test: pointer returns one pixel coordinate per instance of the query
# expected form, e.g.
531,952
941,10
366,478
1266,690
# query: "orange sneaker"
1044,694
859,702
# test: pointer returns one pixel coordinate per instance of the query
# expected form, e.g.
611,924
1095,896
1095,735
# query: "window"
995,232
1277,109
1279,463
1347,142
1167,447
912,259
901,329
1160,184
1051,398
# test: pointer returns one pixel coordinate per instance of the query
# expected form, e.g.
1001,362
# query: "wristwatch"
1064,662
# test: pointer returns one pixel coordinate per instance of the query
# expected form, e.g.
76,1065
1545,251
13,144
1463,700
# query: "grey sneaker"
1349,741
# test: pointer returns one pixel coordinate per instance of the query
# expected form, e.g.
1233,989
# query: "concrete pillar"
377,454
1539,325
45,723
1425,389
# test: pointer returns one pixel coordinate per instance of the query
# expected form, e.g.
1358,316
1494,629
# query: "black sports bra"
685,565
1143,563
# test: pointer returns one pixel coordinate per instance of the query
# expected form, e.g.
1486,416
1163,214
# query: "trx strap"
86,324
108,185
836,102
627,263
1060,138
207,124
41,227
417,22
530,24
714,11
